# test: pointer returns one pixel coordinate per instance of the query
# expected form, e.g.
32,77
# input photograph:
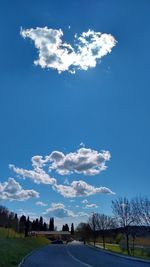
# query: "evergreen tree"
72,229
22,224
41,224
44,227
51,224
27,227
65,228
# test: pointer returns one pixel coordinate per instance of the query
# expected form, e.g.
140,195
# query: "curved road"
77,255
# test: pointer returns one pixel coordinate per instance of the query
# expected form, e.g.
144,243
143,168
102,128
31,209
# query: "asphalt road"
77,255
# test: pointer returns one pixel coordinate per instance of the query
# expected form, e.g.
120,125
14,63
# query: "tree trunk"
128,248
103,241
133,239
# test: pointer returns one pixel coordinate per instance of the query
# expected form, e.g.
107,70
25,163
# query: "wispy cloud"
84,201
58,210
89,206
38,175
12,190
40,203
80,189
88,49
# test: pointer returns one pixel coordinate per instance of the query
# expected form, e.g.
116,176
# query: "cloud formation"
83,161
89,206
38,175
40,203
12,190
53,53
58,210
80,189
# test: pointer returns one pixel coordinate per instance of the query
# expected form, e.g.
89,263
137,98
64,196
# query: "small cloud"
12,190
82,144
53,53
89,206
82,214
58,210
40,203
84,201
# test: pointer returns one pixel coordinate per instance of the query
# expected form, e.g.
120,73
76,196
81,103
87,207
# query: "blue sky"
102,108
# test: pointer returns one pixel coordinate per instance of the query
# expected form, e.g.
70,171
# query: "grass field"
13,247
141,253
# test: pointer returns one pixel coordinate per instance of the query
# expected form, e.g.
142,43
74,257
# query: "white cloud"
84,201
58,210
53,53
80,189
89,206
38,175
83,214
40,203
12,190
85,161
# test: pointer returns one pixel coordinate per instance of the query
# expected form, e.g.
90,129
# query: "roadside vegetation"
127,232
14,246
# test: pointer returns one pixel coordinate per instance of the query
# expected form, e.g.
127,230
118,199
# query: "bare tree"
142,210
83,231
104,223
93,222
125,214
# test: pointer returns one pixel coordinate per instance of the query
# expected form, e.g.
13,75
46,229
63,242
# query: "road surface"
77,255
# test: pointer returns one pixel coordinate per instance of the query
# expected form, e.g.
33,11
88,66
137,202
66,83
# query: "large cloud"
12,190
83,161
53,53
80,189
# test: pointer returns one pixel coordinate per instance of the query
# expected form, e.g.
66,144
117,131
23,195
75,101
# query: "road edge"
29,254
118,255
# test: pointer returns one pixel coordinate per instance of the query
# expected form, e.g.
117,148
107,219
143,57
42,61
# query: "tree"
72,229
44,226
142,210
41,224
22,224
83,232
4,214
65,228
27,227
125,215
51,224
103,223
93,225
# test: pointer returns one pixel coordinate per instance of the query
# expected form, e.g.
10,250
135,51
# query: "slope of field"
13,247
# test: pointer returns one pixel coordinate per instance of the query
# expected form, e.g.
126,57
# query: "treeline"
127,213
24,225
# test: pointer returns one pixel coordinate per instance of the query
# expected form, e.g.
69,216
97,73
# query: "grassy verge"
139,253
13,249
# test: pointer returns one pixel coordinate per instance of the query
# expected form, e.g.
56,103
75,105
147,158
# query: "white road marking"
81,262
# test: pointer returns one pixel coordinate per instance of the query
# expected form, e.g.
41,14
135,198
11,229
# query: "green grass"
13,249
140,253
